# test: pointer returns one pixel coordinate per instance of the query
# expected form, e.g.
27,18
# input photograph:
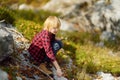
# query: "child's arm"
59,72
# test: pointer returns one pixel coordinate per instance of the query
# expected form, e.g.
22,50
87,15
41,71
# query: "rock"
66,26
62,6
6,43
18,78
107,36
25,7
55,75
95,15
11,41
105,76
3,75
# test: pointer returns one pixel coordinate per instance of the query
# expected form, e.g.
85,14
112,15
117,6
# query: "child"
44,46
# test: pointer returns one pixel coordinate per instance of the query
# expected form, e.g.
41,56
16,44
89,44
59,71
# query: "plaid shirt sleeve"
46,41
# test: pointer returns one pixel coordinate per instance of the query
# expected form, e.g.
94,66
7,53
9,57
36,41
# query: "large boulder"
62,6
11,41
6,43
89,15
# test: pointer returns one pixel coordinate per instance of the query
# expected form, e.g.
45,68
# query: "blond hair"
51,22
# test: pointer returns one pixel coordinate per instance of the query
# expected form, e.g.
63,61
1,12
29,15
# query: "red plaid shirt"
41,46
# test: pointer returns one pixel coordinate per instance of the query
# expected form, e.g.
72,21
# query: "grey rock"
6,43
3,75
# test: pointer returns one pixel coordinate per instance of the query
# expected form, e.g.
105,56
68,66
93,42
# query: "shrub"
27,28
7,15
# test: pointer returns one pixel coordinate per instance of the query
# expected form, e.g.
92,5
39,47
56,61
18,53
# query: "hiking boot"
44,67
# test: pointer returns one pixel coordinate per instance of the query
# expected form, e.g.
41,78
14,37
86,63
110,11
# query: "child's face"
54,30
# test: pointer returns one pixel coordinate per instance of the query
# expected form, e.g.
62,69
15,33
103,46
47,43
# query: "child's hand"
59,73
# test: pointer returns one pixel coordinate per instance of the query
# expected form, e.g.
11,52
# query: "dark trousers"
56,46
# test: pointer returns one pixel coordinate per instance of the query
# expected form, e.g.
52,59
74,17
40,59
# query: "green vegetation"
31,2
97,59
38,16
7,15
79,37
89,59
27,22
28,28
